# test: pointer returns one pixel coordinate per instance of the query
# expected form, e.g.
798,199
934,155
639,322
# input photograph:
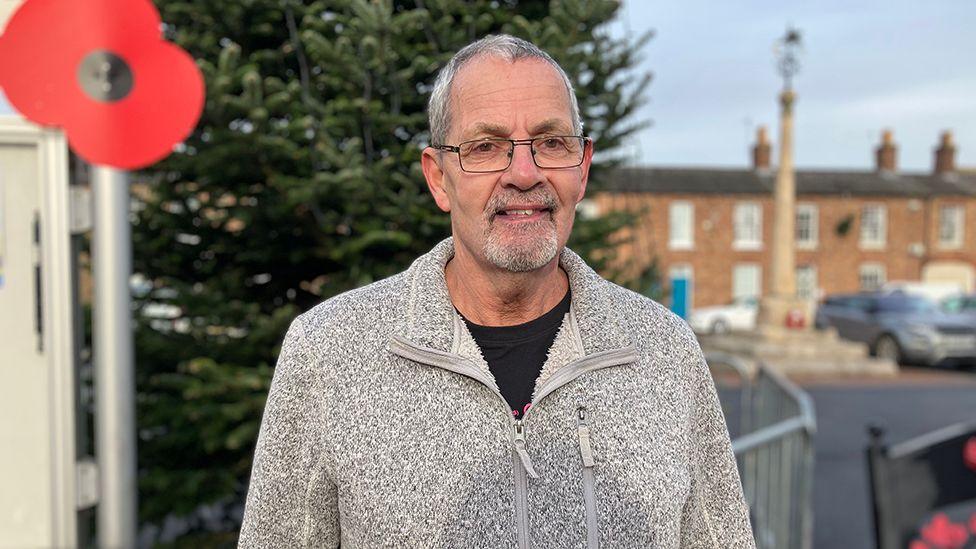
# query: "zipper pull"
583,430
522,453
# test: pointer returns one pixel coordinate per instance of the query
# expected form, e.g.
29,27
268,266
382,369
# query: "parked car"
959,304
901,327
739,315
934,291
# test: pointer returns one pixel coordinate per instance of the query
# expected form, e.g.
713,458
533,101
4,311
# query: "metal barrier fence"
773,424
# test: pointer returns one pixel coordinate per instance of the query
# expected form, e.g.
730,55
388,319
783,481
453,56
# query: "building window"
951,226
872,277
748,226
681,221
807,226
874,226
588,209
746,280
806,282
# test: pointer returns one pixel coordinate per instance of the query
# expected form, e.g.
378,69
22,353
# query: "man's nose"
524,172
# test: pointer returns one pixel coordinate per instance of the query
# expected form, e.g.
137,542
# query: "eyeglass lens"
489,155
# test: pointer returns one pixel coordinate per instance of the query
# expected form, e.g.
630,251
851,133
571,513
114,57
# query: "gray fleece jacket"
384,428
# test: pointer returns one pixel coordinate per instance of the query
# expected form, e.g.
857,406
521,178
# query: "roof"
746,181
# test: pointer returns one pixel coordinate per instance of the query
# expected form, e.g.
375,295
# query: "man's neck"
496,297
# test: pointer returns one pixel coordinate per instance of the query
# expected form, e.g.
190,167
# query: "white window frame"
747,227
877,271
811,213
677,240
588,209
957,221
811,292
876,241
738,271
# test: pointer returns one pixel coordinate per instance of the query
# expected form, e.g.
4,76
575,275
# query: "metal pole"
115,427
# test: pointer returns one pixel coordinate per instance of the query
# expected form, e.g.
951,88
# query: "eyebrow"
550,125
546,126
482,128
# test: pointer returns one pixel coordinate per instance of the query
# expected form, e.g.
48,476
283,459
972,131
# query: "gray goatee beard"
526,246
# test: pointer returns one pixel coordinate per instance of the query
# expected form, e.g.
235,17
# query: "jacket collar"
431,318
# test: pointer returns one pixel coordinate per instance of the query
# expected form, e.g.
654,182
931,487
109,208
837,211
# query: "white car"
740,315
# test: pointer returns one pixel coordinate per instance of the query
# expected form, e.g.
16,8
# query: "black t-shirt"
515,354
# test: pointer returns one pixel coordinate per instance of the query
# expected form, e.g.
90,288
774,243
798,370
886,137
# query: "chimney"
886,153
945,155
761,151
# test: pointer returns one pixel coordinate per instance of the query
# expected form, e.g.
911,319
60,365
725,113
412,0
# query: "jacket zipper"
589,481
522,462
521,451
523,465
523,469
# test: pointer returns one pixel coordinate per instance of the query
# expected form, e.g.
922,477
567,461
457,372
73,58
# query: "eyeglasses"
495,155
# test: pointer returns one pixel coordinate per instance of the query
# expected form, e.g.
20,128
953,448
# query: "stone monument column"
782,300
784,206
774,344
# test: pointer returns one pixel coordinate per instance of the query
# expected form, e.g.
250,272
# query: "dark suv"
902,327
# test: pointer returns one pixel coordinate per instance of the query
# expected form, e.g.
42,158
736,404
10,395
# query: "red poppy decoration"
101,70
943,533
969,453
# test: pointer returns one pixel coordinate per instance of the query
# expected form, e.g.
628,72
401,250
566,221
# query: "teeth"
519,212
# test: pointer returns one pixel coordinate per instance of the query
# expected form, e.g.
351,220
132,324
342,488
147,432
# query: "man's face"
491,97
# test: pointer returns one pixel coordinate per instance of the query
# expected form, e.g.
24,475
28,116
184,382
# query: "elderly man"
498,393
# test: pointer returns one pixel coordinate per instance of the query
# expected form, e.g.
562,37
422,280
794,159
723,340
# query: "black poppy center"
105,76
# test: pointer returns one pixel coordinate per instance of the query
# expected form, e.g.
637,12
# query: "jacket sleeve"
291,501
715,515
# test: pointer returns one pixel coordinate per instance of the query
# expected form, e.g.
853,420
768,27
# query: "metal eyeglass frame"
515,142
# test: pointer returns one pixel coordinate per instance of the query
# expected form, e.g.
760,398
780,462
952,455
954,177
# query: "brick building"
855,230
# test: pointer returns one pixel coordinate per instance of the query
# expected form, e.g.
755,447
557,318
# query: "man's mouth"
522,208
522,214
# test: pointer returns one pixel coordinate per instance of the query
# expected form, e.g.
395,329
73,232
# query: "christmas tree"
301,181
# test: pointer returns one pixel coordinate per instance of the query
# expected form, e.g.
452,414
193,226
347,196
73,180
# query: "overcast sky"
905,65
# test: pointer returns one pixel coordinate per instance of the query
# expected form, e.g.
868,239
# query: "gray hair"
502,46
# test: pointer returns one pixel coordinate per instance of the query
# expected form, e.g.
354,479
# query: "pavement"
912,403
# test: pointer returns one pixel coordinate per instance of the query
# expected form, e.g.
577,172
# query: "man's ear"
585,169
435,178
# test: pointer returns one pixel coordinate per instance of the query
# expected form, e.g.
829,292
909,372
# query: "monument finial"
787,51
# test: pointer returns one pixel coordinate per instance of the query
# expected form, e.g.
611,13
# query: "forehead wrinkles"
491,90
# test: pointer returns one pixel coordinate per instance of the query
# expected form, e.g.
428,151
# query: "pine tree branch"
429,32
306,100
367,122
